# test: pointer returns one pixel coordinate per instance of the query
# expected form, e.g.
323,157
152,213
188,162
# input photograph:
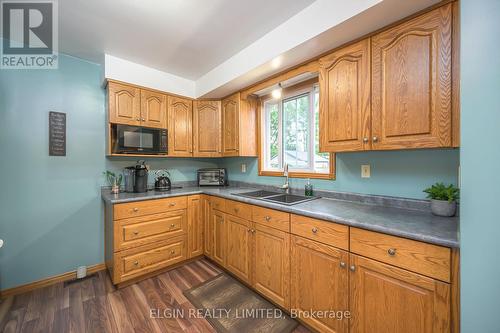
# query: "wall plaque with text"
57,134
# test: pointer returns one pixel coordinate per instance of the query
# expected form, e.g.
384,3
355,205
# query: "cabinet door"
345,99
207,128
153,109
208,235
387,299
239,239
319,282
271,265
411,83
220,243
231,125
124,104
180,113
195,226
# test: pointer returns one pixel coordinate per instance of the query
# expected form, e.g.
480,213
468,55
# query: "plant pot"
443,207
115,189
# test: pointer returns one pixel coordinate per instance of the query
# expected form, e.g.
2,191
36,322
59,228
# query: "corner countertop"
413,224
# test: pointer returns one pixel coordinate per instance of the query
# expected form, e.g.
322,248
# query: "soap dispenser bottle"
308,188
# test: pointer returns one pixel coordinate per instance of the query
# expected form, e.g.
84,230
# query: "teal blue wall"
50,207
394,173
480,160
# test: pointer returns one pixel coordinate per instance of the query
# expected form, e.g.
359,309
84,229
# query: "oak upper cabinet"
124,104
319,281
387,299
239,120
411,83
345,99
239,247
195,226
219,238
153,109
180,114
271,264
207,128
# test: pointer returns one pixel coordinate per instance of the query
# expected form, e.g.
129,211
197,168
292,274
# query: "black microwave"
138,140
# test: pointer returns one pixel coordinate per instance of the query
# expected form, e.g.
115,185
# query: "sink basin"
288,199
277,197
257,194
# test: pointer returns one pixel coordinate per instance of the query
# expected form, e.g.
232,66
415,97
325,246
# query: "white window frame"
312,132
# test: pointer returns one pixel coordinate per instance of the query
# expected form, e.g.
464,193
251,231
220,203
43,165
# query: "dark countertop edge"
293,210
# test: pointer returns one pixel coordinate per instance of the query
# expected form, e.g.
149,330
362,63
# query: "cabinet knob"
172,225
172,252
314,230
236,210
342,264
136,263
143,119
268,218
138,119
136,232
352,268
391,252
253,231
172,204
365,140
136,209
249,230
375,139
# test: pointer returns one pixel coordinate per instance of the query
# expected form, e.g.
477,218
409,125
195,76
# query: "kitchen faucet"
286,186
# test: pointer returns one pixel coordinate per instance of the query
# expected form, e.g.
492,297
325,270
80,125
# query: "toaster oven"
212,177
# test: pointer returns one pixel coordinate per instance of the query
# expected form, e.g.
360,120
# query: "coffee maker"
136,178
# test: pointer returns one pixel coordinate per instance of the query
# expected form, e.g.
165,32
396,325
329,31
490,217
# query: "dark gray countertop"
412,224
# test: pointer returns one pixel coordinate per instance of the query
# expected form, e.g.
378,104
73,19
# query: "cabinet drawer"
419,257
322,231
150,228
218,203
239,209
271,218
145,259
141,208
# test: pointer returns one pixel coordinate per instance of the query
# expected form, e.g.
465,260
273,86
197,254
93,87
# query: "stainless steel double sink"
276,197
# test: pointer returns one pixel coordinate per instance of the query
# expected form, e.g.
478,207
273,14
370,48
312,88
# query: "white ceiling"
186,38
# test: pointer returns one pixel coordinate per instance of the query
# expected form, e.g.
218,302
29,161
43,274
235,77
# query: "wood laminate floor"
94,305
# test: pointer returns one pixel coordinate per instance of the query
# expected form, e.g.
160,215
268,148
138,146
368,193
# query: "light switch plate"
243,168
365,171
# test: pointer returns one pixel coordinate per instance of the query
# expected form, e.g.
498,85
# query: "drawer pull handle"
314,230
342,264
136,232
136,263
136,209
352,268
391,252
268,218
172,204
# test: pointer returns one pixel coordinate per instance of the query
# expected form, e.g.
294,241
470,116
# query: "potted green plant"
114,181
443,199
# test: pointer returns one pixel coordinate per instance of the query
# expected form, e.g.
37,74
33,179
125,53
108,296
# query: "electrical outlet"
243,168
365,171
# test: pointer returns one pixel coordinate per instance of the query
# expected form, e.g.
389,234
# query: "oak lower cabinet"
319,281
271,264
145,236
219,237
195,226
239,247
387,299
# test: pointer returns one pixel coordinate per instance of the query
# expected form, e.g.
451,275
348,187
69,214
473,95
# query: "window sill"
298,174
